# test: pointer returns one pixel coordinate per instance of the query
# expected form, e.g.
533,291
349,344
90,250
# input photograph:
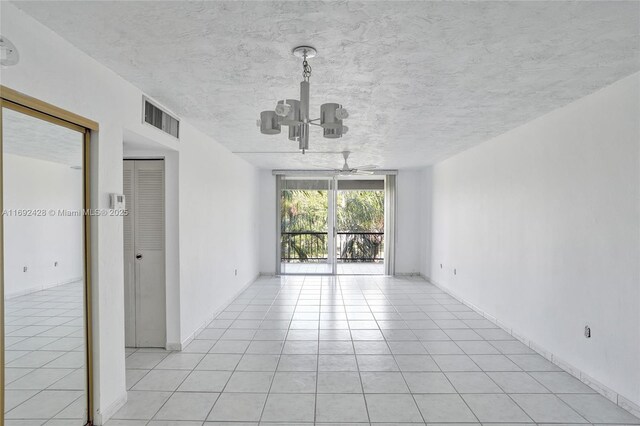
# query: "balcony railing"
350,246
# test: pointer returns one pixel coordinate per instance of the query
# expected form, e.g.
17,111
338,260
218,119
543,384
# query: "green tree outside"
304,224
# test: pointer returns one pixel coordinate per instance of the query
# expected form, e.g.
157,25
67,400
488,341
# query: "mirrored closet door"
45,358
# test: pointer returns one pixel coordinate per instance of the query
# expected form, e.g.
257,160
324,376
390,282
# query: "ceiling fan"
348,170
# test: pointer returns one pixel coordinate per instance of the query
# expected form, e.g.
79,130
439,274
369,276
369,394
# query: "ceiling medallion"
295,113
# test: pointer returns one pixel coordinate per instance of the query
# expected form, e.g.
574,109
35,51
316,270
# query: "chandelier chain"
306,69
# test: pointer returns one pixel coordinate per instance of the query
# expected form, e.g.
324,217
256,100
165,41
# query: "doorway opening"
333,225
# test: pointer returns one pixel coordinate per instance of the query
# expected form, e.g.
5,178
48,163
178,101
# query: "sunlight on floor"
357,350
355,268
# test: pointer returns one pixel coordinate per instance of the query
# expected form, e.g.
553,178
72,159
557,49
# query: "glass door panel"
360,227
305,241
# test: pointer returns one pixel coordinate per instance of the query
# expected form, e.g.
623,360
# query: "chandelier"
294,113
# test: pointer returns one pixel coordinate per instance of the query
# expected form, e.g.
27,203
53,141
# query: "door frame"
390,190
28,105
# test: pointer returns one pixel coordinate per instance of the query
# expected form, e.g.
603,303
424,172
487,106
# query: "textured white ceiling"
422,80
31,137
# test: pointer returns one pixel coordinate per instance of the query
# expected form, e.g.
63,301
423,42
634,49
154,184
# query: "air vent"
161,119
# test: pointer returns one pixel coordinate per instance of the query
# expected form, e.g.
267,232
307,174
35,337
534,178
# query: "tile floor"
361,268
45,364
356,268
304,350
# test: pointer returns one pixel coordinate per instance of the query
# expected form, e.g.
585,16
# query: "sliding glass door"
360,226
331,225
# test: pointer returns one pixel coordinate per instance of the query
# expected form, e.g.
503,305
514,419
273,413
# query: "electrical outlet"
236,272
441,266
587,331
455,272
24,269
55,263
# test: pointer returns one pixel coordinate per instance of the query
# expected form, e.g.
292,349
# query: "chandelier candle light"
295,113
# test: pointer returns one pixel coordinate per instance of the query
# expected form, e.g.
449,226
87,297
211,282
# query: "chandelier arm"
295,123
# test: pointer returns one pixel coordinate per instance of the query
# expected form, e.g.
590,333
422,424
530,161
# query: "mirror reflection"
45,374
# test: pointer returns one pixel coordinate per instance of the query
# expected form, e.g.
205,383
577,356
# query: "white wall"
54,71
212,207
425,188
37,242
543,227
410,191
218,228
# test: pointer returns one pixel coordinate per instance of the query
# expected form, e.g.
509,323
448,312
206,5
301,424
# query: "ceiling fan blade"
320,167
362,172
366,167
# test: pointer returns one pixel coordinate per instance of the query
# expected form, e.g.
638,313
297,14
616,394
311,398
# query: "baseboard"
631,407
173,346
102,416
603,390
407,274
40,288
210,318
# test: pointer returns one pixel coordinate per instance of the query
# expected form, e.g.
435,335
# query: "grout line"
366,404
580,375
364,395
315,396
264,406
396,361
51,298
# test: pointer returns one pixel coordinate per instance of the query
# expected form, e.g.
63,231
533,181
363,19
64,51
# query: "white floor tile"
303,350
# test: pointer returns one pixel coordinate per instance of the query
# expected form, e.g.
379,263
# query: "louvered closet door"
129,256
148,254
